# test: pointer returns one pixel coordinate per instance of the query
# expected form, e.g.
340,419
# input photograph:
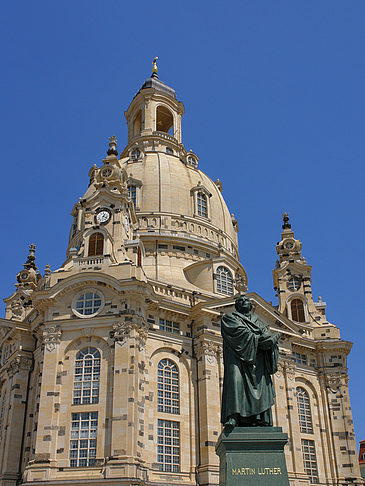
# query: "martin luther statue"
250,354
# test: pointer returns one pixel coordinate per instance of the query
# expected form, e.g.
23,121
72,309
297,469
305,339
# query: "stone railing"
166,136
96,260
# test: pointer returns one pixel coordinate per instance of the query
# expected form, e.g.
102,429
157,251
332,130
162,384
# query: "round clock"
106,172
24,275
102,216
289,245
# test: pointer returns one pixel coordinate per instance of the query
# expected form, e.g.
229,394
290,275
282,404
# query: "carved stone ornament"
20,364
210,350
17,309
288,368
240,283
336,380
51,337
122,332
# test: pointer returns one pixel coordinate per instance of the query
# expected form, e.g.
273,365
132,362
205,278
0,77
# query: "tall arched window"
304,411
96,244
297,310
87,376
201,204
164,120
224,281
132,194
168,387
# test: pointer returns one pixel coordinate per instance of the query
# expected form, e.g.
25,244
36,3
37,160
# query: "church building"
111,366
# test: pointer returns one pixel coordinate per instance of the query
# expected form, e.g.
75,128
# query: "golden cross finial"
154,66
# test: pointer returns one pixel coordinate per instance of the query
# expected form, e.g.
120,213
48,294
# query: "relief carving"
20,364
212,351
51,337
336,380
124,330
286,367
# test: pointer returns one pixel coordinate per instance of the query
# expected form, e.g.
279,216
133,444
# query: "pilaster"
208,353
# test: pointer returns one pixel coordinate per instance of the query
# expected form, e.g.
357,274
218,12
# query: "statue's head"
243,304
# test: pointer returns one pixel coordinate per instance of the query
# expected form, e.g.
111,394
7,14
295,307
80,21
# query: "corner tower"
293,281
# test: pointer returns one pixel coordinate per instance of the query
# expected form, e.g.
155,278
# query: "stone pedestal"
252,455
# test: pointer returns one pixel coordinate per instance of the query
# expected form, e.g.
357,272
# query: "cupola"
155,111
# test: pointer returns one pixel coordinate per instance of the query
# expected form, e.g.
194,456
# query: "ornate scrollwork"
211,350
51,337
287,367
336,380
123,330
20,364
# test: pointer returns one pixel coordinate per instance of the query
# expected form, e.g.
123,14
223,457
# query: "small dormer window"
169,151
136,153
202,205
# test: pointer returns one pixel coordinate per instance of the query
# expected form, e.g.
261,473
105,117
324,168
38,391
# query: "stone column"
127,421
18,371
208,353
45,451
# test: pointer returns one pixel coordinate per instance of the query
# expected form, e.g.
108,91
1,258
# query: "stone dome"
169,188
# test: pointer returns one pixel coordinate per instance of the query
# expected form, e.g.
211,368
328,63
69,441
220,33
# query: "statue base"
252,455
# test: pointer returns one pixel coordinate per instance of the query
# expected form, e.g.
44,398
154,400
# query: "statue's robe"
250,358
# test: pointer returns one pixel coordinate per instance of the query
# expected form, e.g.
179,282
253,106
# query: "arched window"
137,124
164,120
168,387
297,310
132,194
202,205
96,244
136,153
304,411
87,376
224,281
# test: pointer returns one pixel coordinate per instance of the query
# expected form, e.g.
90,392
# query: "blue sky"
275,103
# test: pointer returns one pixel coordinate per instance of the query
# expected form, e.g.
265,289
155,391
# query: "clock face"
289,245
103,216
106,172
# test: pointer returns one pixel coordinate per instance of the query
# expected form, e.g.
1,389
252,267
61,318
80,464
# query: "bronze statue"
250,354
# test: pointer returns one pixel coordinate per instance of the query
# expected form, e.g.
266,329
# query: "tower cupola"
155,113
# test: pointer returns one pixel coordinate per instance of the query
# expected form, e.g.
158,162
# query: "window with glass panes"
224,281
310,460
169,326
300,358
84,427
168,445
168,387
297,310
88,303
132,193
202,204
87,376
304,411
96,244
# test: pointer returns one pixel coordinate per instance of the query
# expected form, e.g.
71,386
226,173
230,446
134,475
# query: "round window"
88,304
135,154
294,283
